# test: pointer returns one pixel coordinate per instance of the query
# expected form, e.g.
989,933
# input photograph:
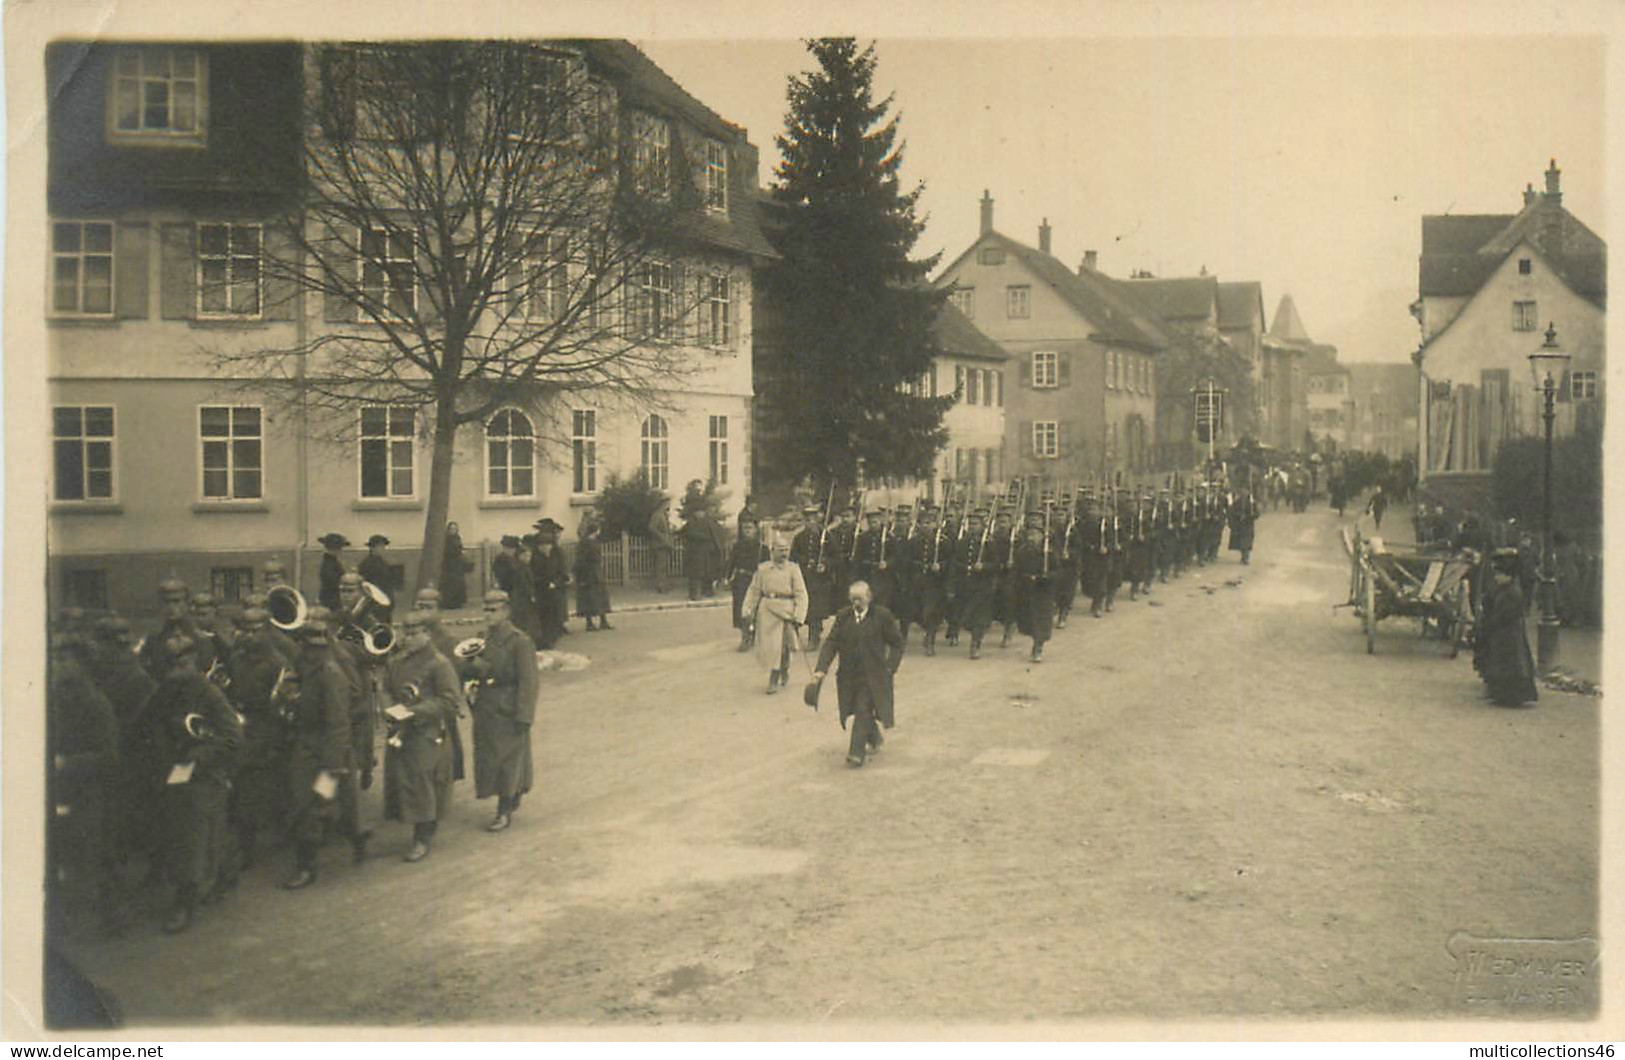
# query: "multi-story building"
1489,286
1242,325
1385,410
1328,397
1286,376
1080,399
972,365
167,164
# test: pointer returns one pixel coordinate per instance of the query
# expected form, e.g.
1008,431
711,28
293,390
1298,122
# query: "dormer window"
651,159
157,94
714,177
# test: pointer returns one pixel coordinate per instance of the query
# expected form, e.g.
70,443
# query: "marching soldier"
504,710
930,554
332,569
840,549
428,603
259,794
971,578
82,737
1062,540
1002,555
363,679
1181,527
1093,542
906,539
875,557
316,703
425,698
1035,595
1140,547
954,528
1115,547
287,648
1162,543
810,550
128,687
176,611
197,736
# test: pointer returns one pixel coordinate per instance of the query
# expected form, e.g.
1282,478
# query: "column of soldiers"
185,751
961,571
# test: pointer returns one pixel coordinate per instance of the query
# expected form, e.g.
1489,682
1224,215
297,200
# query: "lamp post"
1547,364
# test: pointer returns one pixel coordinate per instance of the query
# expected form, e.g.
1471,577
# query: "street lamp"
1546,364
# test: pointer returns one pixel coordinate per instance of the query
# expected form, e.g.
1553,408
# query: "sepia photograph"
801,528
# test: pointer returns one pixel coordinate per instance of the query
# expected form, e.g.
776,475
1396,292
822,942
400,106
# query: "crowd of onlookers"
1578,569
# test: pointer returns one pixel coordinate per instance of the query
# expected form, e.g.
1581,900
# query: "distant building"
1383,398
1286,376
972,367
1080,399
1489,285
1327,398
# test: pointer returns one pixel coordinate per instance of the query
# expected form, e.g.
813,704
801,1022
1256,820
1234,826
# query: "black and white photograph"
800,525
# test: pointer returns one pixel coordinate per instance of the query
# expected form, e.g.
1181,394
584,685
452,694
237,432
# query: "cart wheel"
1370,615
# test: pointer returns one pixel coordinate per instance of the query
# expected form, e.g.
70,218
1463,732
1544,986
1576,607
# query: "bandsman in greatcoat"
197,737
428,602
870,646
971,580
504,710
425,697
376,570
363,676
1035,595
132,811
316,704
176,612
259,802
82,739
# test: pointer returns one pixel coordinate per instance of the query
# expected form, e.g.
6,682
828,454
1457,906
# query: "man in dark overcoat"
930,554
1094,538
970,580
1243,514
809,551
375,569
504,709
870,646
332,569
429,602
259,801
82,739
424,696
320,756
1035,596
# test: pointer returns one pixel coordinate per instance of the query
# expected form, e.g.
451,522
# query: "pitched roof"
1237,301
1322,360
1459,254
1288,325
957,335
1181,298
1094,296
644,84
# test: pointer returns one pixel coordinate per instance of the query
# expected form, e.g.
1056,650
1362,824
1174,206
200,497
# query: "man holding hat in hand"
870,646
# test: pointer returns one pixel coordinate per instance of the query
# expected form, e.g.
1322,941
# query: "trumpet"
287,607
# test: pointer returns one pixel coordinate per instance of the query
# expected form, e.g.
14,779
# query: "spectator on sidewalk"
592,595
660,541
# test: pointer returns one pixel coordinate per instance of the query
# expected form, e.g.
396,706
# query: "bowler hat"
510,541
377,539
547,524
334,541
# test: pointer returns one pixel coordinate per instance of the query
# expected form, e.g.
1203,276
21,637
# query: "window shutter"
130,266
336,308
338,93
1063,368
998,379
1028,443
1063,439
1027,370
959,382
280,259
738,280
178,295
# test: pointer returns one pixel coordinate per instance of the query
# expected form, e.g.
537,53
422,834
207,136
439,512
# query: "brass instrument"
378,640
372,598
217,674
286,606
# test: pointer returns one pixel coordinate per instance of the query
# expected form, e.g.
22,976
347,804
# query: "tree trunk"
434,525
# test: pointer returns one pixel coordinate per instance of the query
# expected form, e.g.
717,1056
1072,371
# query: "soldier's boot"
975,647
185,910
772,682
304,862
1009,631
1111,598
358,846
744,639
1094,607
1133,592
1246,557
422,836
930,642
1038,651
1060,618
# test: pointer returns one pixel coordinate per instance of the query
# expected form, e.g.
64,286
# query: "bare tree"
483,227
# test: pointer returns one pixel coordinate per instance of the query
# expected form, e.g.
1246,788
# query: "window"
510,455
719,309
1583,385
82,267
656,452
714,182
1046,439
1524,266
1111,370
973,386
1045,370
1018,301
1523,316
964,300
653,303
990,256
547,294
86,588
959,464
228,270
959,383
157,92
651,157
584,451
233,454
388,273
387,444
82,452
719,450
231,584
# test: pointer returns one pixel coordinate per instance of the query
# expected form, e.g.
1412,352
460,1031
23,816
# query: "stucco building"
166,164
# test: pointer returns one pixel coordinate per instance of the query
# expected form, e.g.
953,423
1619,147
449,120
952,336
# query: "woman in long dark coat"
1501,655
592,595
453,571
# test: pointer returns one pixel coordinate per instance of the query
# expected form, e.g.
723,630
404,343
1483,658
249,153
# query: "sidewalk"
1579,651
621,602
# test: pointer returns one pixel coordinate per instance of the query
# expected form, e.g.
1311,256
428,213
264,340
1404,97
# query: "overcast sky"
1306,164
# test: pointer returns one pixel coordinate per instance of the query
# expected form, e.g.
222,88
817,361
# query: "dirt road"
1214,804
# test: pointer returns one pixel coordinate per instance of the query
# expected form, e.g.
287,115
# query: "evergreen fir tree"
856,312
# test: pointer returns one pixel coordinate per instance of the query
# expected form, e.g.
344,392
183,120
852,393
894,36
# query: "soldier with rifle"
1003,549
1140,550
1062,537
1096,548
1032,571
971,578
905,605
874,556
931,550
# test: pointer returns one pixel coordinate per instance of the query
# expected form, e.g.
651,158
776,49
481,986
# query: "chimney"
1089,259
1043,236
1529,195
1554,191
987,212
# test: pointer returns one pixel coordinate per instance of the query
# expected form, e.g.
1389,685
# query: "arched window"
510,455
656,452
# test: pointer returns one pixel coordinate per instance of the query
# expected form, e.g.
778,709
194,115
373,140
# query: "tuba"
287,607
372,598
378,640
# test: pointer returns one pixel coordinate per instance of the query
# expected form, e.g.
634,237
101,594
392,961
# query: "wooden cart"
1434,587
